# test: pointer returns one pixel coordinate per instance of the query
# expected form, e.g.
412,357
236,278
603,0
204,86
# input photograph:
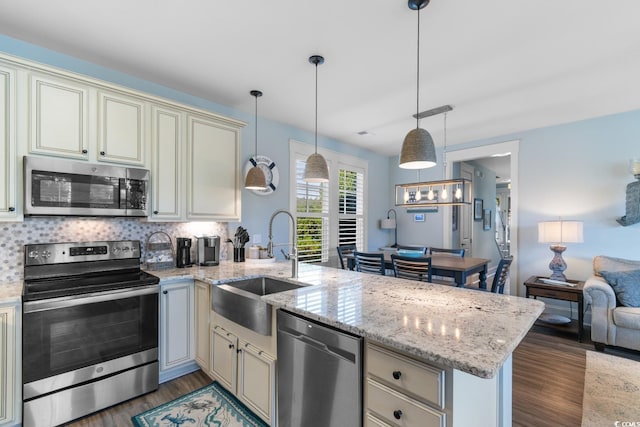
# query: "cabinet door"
7,364
8,185
121,129
223,357
256,380
203,308
58,118
166,165
176,324
213,187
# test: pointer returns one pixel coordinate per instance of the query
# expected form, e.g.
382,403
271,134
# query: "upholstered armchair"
613,323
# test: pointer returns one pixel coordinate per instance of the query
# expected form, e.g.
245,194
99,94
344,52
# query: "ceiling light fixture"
316,169
255,179
418,150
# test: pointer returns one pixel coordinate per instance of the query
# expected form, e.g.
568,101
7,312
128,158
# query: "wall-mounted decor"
633,197
455,213
418,217
270,171
486,221
477,209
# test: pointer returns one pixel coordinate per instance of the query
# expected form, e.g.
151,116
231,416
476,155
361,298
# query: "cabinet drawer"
420,380
400,410
556,294
372,421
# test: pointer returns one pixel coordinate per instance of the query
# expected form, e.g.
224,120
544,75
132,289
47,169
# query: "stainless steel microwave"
65,187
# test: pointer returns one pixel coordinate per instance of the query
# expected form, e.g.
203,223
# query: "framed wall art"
486,221
478,209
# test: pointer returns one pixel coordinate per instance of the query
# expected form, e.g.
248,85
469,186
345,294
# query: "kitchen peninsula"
467,335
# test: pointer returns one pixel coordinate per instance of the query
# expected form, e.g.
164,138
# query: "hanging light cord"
316,132
418,77
256,151
444,154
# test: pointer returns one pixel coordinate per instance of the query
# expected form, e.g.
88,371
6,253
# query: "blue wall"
273,142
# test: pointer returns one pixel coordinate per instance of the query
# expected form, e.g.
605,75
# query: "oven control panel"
58,253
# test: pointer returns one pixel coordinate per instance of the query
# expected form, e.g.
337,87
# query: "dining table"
458,268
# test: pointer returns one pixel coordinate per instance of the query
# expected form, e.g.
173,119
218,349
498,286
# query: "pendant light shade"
316,169
255,179
418,150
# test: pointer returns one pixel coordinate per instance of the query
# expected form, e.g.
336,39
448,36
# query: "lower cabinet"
177,318
202,298
10,397
245,370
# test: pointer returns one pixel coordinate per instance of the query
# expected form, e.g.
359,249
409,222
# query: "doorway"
484,151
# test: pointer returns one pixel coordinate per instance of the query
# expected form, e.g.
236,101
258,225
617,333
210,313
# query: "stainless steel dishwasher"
319,374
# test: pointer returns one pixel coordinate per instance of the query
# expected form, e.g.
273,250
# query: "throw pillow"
626,285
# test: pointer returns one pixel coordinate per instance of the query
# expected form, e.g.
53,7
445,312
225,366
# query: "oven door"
70,340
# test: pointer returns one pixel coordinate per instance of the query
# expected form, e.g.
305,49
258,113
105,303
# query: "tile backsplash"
13,236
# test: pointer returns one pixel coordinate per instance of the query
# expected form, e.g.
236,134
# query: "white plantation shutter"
312,217
328,214
351,207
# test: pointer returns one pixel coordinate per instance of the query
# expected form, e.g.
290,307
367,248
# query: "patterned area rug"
611,391
210,406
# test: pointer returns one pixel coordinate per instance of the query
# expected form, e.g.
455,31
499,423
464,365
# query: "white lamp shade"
560,232
316,169
388,223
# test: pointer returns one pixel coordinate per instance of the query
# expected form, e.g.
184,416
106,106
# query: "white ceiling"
505,65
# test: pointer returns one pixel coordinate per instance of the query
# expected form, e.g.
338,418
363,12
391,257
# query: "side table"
536,288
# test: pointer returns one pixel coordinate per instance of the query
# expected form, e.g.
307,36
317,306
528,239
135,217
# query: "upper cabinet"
121,128
8,174
213,181
58,117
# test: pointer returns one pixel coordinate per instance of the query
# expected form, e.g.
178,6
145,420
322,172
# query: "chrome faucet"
293,256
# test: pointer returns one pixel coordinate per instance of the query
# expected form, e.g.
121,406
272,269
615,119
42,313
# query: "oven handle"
70,301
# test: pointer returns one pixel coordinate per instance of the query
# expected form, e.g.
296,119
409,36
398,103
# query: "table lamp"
391,223
557,233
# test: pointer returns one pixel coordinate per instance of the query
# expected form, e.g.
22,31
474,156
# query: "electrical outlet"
257,239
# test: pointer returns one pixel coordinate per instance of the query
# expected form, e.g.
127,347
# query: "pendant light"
255,179
316,169
418,150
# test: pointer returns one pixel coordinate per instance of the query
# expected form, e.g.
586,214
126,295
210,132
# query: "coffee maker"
183,258
208,250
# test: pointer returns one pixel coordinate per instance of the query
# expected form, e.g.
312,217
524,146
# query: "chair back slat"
369,262
454,252
343,251
412,268
500,278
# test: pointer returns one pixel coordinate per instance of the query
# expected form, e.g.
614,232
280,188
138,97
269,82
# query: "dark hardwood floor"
548,382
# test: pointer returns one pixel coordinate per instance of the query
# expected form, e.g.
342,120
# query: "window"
328,214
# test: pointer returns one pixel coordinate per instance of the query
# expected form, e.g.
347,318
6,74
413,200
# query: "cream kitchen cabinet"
244,368
177,319
213,165
10,397
122,128
202,296
59,116
8,174
195,168
72,118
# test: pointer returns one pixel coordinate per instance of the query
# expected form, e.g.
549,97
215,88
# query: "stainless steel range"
90,329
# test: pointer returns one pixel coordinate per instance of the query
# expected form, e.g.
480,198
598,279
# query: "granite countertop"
11,292
464,329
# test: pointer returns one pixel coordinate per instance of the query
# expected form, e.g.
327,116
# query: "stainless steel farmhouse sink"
240,301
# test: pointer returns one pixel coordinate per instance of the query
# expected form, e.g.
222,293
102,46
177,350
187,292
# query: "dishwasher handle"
334,351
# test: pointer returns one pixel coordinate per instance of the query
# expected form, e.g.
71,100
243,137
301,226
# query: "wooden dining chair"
412,268
369,262
454,252
343,251
500,278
